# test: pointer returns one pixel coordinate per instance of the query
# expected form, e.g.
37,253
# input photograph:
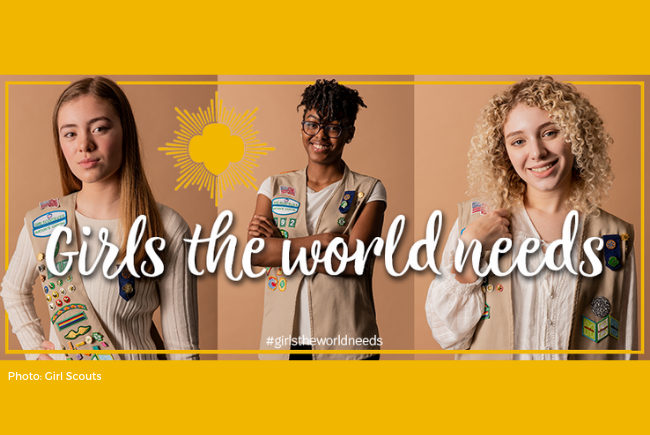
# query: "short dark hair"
332,101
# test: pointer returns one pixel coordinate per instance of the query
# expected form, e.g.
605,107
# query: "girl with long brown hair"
101,170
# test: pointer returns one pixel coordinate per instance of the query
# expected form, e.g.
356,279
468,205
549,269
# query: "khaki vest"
71,313
339,306
497,333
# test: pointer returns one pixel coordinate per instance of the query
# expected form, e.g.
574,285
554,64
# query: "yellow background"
329,39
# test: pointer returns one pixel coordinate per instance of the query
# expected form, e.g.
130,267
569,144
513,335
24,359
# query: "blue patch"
45,224
284,206
346,201
613,327
612,251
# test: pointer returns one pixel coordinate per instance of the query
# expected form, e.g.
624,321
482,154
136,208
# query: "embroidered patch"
66,309
476,207
282,284
268,271
52,203
45,224
346,202
284,206
603,328
613,251
613,327
292,223
284,234
71,321
283,222
341,221
486,313
105,357
600,306
271,283
280,273
589,328
275,221
285,190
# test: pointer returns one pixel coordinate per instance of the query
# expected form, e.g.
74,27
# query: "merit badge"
346,202
284,190
589,328
490,288
625,237
483,288
486,313
71,335
280,273
71,288
476,207
53,203
292,223
361,195
268,270
499,288
284,206
612,251
282,284
284,234
341,221
600,306
272,283
40,256
283,222
45,224
613,327
275,221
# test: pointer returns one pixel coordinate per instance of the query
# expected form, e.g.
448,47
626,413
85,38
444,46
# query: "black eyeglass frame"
320,127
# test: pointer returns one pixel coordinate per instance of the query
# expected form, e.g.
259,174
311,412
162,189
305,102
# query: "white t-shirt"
315,203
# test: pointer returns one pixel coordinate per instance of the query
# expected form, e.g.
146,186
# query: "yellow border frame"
399,352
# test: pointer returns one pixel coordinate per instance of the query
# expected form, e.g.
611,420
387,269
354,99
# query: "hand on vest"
488,229
261,226
49,346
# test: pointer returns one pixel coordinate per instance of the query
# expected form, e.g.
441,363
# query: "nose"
321,134
537,149
85,142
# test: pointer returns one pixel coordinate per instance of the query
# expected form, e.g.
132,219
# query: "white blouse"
542,304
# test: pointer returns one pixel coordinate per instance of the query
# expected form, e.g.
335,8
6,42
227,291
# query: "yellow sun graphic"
216,148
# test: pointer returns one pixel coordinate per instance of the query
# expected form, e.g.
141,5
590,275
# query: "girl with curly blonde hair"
540,152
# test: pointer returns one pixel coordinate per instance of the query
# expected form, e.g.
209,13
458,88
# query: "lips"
88,163
543,169
320,146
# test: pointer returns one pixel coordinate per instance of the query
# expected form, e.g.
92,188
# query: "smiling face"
322,148
537,150
90,134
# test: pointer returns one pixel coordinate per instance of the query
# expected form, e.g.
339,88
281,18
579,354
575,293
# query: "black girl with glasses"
320,203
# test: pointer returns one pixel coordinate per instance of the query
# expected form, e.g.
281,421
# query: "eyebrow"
546,124
315,117
92,121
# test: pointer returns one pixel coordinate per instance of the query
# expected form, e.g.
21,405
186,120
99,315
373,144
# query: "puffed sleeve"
177,287
453,309
18,297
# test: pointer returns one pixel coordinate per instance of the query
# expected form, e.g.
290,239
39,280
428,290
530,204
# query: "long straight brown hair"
136,197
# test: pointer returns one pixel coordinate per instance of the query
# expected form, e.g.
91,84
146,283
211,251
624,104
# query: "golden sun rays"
216,148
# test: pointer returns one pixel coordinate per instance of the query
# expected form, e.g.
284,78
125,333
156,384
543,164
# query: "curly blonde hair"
491,174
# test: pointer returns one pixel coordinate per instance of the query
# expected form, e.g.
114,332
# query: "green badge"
284,234
344,204
292,223
283,222
613,261
589,328
341,221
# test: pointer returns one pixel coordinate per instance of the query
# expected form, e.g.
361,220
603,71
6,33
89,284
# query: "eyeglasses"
331,130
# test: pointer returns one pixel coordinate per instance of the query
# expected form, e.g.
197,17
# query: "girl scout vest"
72,316
341,308
598,302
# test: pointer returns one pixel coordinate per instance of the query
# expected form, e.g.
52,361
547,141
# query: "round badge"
601,306
40,256
71,288
490,288
55,295
483,288
68,278
58,302
66,299
128,288
272,283
610,244
46,289
62,290
126,274
59,282
48,298
52,285
89,339
51,306
346,197
499,288
361,194
282,284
